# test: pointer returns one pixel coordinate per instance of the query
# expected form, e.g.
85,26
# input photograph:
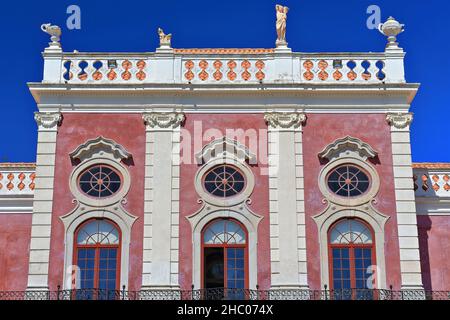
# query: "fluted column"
43,200
286,195
405,201
161,208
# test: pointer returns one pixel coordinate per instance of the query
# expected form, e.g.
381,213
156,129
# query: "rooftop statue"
281,24
164,39
54,32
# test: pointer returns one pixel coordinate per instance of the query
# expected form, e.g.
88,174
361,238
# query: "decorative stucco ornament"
163,120
281,25
284,120
399,120
164,39
391,29
54,32
47,120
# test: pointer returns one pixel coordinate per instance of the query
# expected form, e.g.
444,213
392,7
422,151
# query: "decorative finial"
164,39
391,29
55,34
281,25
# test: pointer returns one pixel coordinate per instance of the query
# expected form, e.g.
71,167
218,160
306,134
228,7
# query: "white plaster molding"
367,213
346,146
82,213
241,213
285,120
163,120
399,120
47,120
353,201
226,148
241,197
99,147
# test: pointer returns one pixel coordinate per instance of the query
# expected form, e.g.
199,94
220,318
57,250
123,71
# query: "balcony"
226,294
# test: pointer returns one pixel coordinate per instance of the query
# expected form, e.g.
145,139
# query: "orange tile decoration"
112,75
217,74
231,74
323,75
246,75
260,74
126,75
337,75
224,51
32,177
141,75
425,182
203,75
97,75
308,75
189,75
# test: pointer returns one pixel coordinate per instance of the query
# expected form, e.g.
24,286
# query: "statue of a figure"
281,24
54,32
164,39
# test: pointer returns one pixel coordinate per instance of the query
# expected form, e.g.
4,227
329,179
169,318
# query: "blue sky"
313,26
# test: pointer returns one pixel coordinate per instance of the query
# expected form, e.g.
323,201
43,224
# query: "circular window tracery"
348,181
100,181
224,181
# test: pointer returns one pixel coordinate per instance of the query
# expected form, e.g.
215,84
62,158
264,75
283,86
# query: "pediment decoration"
225,148
348,146
100,147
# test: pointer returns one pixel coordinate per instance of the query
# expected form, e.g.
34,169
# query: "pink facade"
435,251
15,232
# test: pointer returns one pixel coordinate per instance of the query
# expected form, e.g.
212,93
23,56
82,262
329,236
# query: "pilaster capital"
163,120
399,120
47,120
285,120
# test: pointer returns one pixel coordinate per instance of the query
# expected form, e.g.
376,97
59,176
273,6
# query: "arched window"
352,253
225,262
97,255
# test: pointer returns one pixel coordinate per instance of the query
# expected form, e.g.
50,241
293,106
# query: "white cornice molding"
399,120
223,148
47,120
100,146
348,145
285,120
163,120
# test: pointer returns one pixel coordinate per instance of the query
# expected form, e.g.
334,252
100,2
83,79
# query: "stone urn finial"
54,32
391,29
164,39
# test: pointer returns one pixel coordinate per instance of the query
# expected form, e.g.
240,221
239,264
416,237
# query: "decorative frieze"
348,145
163,120
399,120
285,120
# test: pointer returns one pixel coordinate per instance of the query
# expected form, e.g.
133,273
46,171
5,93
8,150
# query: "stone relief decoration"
348,168
54,32
163,120
99,184
285,120
348,146
281,12
233,157
164,39
47,120
94,156
391,29
225,148
399,120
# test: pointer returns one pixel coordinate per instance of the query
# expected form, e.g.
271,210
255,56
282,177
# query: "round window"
348,181
224,181
99,181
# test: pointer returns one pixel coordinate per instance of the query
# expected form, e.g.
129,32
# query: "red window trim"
97,248
225,246
351,252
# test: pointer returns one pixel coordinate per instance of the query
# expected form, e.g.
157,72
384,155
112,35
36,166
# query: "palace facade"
224,168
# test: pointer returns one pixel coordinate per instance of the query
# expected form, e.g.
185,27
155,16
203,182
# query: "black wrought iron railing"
226,294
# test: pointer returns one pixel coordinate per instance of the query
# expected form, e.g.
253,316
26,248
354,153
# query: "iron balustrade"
226,294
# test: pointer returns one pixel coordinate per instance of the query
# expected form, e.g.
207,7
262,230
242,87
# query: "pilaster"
161,207
286,196
43,200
